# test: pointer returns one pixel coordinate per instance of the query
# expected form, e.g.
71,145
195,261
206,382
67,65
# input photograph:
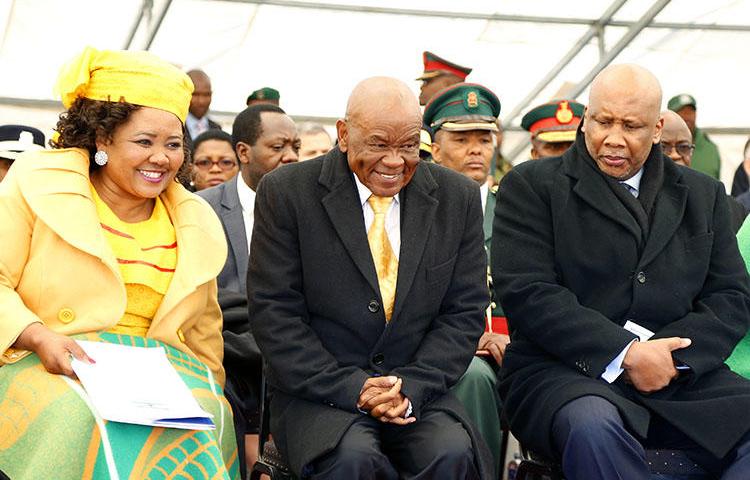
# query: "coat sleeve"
450,343
721,311
297,361
16,230
538,306
204,338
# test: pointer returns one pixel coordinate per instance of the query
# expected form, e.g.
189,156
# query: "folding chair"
270,461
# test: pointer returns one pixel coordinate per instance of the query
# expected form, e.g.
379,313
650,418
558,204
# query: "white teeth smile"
389,177
149,174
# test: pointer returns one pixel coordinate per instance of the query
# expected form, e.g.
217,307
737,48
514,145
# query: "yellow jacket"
56,265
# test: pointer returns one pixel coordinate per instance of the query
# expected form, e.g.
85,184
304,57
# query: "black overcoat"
315,304
573,259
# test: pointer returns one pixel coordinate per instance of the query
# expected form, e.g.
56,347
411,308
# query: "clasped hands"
649,365
381,397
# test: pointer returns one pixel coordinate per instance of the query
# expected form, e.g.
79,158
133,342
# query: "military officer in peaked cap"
463,118
553,127
438,74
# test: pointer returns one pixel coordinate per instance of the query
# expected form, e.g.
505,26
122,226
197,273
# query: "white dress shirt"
614,369
392,218
196,125
247,202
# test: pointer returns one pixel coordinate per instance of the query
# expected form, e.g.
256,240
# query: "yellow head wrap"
135,77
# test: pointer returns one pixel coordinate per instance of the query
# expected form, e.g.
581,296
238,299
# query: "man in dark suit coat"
197,120
625,293
355,395
264,138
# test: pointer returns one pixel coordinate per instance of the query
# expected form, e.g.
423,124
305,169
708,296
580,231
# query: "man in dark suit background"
625,293
197,120
264,138
360,373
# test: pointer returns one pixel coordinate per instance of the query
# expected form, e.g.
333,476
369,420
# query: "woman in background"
100,242
214,160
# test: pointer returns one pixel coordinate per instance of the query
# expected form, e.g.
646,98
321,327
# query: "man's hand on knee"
649,365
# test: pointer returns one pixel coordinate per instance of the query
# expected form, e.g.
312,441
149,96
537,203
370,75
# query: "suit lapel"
418,208
668,210
345,212
592,189
234,223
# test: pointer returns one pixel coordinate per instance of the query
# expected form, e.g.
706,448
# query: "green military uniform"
467,107
706,157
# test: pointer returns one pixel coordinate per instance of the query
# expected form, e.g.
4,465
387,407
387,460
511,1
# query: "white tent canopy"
314,52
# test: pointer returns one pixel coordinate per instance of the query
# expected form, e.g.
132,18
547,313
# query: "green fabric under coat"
739,361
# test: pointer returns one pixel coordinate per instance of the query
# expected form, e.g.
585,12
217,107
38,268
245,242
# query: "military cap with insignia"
265,93
678,102
435,66
554,122
16,139
463,107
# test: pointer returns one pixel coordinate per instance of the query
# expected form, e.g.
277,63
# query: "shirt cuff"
409,411
614,369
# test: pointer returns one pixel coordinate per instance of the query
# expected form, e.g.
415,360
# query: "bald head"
201,99
376,94
622,121
676,138
675,126
380,134
633,83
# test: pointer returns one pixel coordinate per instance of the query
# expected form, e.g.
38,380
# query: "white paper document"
643,333
139,385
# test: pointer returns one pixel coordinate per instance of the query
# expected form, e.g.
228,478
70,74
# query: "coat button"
181,335
373,306
641,277
378,359
66,315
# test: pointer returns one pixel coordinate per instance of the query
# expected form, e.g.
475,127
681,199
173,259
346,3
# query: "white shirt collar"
246,194
365,193
196,125
635,180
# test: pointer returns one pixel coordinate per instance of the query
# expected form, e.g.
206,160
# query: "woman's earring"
101,158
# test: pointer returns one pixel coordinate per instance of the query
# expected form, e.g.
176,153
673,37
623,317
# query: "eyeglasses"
683,149
224,164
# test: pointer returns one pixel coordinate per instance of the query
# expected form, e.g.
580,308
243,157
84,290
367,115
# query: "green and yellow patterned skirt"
49,430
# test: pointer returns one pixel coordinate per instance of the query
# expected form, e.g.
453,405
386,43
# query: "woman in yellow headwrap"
100,242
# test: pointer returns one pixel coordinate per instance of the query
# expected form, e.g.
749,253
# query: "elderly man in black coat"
625,293
367,317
